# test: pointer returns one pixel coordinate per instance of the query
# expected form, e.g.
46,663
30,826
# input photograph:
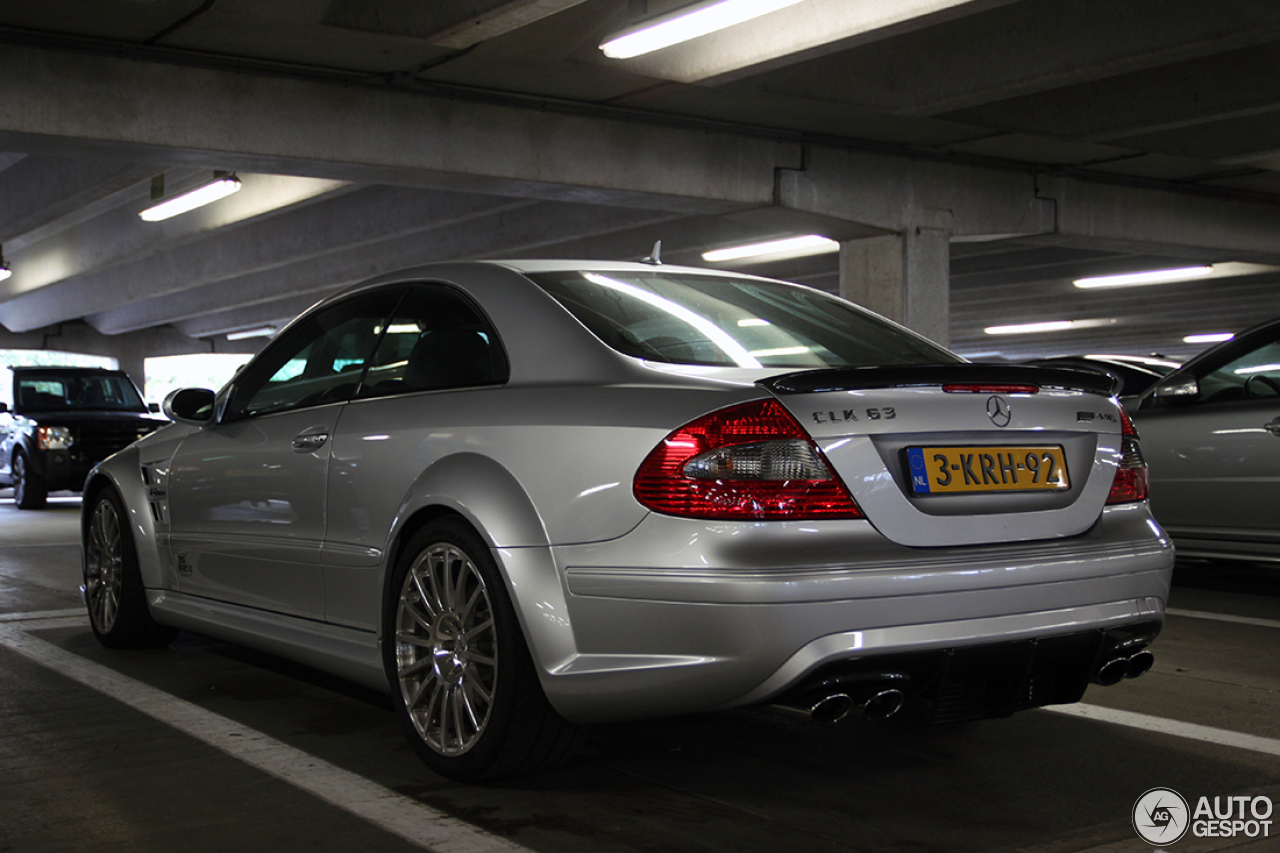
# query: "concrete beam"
896,193
38,189
1157,222
276,312
506,233
1029,47
135,109
365,217
794,34
118,236
446,23
1182,94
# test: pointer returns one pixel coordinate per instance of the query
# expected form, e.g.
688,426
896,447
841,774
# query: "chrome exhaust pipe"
831,709
1140,663
823,710
882,705
1112,672
872,701
1121,667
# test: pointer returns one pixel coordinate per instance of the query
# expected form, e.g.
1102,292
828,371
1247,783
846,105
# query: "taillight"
750,461
1131,482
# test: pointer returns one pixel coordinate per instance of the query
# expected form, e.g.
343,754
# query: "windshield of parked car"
50,392
686,318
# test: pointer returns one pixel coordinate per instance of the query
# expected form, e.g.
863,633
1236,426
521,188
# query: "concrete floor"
206,746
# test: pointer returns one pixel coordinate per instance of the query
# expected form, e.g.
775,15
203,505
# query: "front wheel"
463,681
29,491
113,588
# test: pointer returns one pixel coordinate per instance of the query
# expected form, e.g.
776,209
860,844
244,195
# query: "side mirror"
189,406
1177,389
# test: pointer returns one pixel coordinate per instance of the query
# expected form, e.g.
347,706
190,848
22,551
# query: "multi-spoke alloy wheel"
447,654
113,587
463,681
103,566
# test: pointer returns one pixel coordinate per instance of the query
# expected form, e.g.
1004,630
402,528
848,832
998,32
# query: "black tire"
462,680
113,589
29,491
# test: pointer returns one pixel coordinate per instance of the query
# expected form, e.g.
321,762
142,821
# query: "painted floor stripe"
1177,728
35,615
382,807
1223,617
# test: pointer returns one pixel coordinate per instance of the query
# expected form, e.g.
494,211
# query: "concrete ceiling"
1052,140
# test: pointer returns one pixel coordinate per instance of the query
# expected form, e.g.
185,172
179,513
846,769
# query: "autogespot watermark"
1162,816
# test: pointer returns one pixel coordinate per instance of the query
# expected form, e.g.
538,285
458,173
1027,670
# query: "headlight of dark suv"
53,437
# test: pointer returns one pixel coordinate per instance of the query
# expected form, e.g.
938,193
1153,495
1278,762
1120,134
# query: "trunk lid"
962,454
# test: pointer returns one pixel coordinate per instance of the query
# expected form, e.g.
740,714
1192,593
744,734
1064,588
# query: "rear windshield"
685,318
49,392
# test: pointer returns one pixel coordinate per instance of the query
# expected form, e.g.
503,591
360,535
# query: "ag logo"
1161,816
998,410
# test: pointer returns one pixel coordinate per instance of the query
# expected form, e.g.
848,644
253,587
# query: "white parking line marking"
1177,728
34,615
382,807
1224,617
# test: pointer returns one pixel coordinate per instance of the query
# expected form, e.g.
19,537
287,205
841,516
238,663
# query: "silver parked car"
1212,434
523,496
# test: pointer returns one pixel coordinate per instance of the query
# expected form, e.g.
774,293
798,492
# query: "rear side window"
436,339
685,318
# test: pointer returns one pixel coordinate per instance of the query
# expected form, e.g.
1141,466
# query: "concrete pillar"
905,277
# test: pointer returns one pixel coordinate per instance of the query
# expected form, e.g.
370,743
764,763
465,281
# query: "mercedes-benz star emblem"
999,412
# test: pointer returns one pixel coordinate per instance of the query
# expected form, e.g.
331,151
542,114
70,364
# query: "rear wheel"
463,681
29,491
113,588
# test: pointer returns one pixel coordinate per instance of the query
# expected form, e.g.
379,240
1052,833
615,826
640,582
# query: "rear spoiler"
922,375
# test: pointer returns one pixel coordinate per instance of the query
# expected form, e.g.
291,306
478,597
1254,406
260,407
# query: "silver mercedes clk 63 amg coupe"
524,496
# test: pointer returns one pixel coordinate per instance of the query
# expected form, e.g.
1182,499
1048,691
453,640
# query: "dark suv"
58,422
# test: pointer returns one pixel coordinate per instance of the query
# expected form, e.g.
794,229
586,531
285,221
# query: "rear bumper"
742,614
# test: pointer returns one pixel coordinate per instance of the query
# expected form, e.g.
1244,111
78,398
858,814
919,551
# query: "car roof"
46,368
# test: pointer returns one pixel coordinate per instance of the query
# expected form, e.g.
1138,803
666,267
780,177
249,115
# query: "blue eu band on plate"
986,469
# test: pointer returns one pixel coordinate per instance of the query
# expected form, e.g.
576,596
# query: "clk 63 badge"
986,469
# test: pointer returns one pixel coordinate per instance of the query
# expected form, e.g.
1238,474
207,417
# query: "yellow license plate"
945,470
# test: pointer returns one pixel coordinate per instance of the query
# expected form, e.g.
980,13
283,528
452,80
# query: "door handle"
310,440
1273,427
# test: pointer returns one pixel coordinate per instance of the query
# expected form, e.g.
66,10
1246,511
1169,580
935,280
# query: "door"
1215,455
248,494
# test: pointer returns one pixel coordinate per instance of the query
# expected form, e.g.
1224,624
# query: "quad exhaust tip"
836,707
1121,667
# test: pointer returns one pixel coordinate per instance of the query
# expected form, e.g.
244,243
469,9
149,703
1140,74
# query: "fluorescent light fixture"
710,330
1151,277
1211,338
1256,369
5,272
260,332
790,247
700,19
766,353
198,197
1047,326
